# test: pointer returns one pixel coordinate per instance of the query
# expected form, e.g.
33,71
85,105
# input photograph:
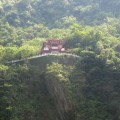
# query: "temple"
53,46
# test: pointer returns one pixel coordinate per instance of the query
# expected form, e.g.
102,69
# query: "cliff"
37,94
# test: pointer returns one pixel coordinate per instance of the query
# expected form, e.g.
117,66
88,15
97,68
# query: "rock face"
63,106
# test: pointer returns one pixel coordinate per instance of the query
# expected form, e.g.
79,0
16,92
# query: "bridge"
43,55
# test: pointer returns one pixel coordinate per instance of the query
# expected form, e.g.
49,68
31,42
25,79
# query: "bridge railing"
42,55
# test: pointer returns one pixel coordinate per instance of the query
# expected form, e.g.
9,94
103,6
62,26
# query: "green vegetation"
62,87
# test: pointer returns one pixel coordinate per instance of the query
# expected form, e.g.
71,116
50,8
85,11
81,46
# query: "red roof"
53,45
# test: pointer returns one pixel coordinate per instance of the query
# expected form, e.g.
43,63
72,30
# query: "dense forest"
60,87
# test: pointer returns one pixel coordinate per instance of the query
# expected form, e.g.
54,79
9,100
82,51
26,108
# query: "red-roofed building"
53,46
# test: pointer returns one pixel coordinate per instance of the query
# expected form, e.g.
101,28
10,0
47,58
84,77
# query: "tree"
5,98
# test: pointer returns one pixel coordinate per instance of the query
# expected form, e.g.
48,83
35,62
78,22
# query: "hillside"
60,87
54,13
